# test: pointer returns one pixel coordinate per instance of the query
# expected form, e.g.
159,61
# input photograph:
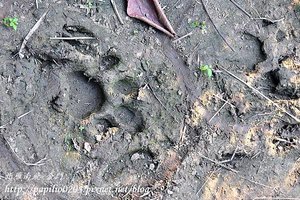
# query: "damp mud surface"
129,115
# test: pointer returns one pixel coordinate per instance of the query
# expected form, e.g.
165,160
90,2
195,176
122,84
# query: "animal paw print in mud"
89,87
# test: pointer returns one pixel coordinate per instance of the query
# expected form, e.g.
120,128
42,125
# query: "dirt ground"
129,115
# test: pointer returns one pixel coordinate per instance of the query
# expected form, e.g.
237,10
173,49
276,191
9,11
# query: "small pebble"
135,157
152,166
87,147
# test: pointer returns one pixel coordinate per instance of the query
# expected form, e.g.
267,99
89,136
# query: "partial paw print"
73,93
94,90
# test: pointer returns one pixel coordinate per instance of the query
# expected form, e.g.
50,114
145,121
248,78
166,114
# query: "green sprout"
198,24
206,70
89,4
11,22
203,27
195,24
81,128
135,32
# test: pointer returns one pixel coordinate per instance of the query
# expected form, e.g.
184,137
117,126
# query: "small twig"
260,114
72,38
282,140
2,177
261,94
152,91
218,163
182,134
34,28
220,34
11,121
21,116
224,100
267,19
232,157
209,177
116,11
254,18
38,163
194,49
243,10
255,182
182,37
218,112
234,171
4,125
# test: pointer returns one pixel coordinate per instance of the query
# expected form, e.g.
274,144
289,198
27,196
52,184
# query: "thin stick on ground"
15,118
234,171
37,4
255,182
72,38
218,163
21,116
4,125
243,10
251,17
218,112
209,177
34,28
267,19
224,100
152,91
38,163
3,177
116,11
182,134
283,140
182,37
261,94
220,34
232,157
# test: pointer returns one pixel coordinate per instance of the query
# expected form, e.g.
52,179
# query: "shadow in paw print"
129,119
282,85
76,29
86,96
109,61
126,87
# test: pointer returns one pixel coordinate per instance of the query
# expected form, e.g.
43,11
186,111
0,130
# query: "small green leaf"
81,128
209,73
204,67
206,70
195,24
10,22
203,25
